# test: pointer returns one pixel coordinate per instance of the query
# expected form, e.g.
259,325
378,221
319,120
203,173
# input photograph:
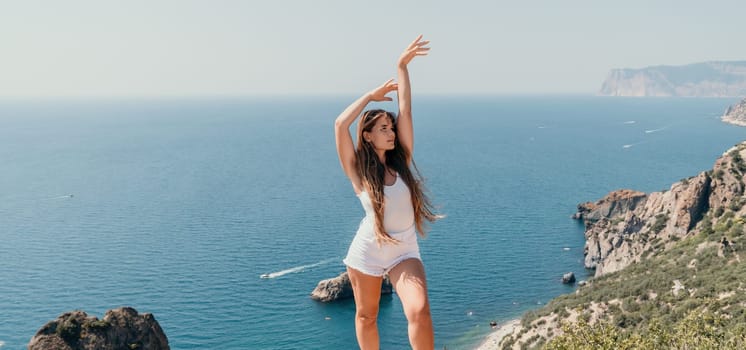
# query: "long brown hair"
371,172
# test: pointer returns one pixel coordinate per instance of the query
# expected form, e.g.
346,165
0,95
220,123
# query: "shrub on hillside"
698,330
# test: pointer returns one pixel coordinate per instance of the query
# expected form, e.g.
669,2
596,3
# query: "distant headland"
705,79
736,114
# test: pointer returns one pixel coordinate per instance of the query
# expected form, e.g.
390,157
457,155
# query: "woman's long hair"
371,172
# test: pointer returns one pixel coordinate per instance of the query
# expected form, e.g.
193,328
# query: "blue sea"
176,207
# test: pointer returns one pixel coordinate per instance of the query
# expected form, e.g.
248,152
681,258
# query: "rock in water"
568,278
339,287
121,328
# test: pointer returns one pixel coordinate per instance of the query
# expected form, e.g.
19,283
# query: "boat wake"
58,197
632,145
655,130
2,343
296,269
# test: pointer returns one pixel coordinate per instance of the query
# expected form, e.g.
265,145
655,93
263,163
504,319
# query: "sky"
282,47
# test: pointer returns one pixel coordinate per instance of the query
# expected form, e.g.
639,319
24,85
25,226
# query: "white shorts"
366,256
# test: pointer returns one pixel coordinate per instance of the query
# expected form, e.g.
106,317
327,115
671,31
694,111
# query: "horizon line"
324,95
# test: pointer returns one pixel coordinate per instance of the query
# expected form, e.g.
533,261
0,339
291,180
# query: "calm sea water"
175,207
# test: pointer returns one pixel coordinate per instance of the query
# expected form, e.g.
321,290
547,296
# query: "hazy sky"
220,47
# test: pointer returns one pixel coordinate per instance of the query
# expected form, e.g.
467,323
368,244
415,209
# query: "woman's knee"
417,310
366,316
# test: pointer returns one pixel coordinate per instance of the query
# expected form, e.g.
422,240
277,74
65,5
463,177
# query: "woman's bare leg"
408,278
367,293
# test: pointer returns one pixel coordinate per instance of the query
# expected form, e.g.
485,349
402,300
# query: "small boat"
264,275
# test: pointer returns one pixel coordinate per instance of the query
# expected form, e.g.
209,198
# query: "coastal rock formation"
121,328
568,278
673,252
340,288
736,114
626,226
707,79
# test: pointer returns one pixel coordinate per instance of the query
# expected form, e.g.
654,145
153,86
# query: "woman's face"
382,135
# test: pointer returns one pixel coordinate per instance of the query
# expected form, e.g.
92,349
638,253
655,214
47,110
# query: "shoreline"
492,341
732,120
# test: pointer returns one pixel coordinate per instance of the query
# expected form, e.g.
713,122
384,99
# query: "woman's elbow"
340,125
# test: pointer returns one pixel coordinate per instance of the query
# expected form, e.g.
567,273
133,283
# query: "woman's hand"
416,48
379,94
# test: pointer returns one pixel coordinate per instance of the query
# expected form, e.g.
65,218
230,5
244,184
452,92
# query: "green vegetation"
718,212
718,174
738,162
706,225
686,292
736,204
642,307
695,331
69,330
660,223
97,324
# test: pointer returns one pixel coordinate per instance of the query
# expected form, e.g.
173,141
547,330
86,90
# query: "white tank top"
398,212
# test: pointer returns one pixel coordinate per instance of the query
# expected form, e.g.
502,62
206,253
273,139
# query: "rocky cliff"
736,114
669,260
626,226
707,79
121,328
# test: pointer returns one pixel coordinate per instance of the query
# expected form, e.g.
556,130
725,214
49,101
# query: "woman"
395,205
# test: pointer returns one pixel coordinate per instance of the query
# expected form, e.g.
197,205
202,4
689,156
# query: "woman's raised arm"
404,127
345,147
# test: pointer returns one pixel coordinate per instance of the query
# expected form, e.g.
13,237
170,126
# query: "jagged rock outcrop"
568,278
707,79
736,114
706,212
339,287
121,328
626,226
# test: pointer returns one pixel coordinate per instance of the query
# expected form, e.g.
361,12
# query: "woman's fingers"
416,48
421,49
390,85
418,45
387,85
419,37
423,43
379,94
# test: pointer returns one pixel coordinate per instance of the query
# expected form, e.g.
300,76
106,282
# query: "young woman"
389,187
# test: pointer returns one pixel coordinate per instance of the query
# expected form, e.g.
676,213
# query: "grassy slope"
640,300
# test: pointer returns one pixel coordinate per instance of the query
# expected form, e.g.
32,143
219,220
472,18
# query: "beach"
491,341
